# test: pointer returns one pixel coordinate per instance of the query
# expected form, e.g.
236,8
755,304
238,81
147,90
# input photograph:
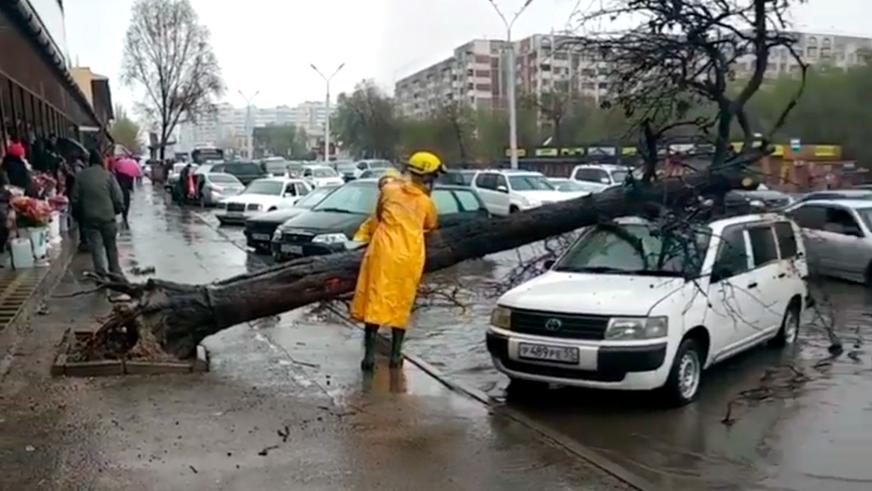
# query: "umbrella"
128,167
70,149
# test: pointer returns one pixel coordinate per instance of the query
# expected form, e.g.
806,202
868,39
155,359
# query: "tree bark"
177,317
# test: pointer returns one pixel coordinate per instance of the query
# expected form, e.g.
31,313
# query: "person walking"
394,260
97,200
126,170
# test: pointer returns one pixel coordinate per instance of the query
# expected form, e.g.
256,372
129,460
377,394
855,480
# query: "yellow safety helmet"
423,163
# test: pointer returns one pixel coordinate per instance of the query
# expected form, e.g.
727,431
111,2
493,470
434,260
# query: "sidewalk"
284,406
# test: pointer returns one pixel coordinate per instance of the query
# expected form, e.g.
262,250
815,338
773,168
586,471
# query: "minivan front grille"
235,206
560,325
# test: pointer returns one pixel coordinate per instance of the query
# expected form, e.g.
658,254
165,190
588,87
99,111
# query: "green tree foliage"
125,131
365,122
285,141
831,111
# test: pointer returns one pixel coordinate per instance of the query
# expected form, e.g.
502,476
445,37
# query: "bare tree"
167,52
676,67
683,53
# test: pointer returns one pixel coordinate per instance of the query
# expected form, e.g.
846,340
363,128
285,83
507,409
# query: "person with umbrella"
126,171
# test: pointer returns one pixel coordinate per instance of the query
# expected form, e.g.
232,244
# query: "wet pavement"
283,407
796,418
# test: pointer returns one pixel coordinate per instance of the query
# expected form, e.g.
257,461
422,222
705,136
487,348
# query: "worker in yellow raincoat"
394,260
366,229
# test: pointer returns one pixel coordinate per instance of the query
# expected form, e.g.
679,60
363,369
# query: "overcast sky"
267,45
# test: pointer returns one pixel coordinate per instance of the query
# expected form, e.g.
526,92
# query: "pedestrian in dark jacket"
97,200
16,169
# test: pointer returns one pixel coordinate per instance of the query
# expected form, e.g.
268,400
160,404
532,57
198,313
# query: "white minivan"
628,307
509,191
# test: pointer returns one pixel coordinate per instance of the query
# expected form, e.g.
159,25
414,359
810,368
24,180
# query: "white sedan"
262,195
322,175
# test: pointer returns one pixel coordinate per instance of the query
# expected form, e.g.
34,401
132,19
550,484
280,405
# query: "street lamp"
249,126
327,123
510,88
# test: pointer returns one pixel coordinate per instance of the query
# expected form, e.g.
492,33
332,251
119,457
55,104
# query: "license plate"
541,352
292,249
260,236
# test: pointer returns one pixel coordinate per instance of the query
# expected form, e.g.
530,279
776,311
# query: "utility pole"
510,87
327,123
249,124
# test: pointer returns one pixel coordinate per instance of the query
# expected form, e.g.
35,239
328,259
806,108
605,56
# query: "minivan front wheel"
682,386
789,328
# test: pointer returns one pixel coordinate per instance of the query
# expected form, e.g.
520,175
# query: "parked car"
461,177
374,173
331,224
275,167
217,186
262,195
836,194
259,229
600,176
576,188
621,309
370,164
321,175
246,172
838,236
758,200
511,191
347,169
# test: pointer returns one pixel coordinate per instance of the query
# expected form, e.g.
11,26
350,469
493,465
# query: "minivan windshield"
619,176
637,249
530,183
355,198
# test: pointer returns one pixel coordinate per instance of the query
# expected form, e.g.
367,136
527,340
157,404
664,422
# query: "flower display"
31,212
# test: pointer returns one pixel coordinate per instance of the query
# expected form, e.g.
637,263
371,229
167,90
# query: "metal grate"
559,325
16,287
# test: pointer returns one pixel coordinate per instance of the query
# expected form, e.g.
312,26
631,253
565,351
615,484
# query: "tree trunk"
177,317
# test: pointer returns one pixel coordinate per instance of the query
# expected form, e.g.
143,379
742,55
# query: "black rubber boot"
397,348
368,362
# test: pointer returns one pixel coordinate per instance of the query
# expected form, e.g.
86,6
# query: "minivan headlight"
634,328
501,317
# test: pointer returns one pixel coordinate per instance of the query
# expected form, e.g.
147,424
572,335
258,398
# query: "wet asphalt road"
769,419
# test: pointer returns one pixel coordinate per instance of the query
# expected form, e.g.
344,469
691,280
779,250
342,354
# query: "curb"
49,281
594,458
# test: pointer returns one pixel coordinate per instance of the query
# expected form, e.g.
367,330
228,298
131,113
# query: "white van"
598,177
629,308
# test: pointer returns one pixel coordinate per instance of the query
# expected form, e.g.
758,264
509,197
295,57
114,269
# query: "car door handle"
752,285
782,275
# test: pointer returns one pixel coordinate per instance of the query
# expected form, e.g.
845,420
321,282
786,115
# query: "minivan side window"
763,245
732,258
486,181
468,201
445,202
786,240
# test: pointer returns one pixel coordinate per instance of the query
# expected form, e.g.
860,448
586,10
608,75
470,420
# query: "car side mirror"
550,263
853,232
503,189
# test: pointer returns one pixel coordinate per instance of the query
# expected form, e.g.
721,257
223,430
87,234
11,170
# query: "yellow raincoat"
394,260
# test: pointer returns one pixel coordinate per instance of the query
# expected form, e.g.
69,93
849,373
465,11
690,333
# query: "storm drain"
16,287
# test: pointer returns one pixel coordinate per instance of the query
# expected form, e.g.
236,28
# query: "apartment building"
815,48
475,74
472,75
229,125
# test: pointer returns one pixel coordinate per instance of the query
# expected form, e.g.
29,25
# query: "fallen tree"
682,55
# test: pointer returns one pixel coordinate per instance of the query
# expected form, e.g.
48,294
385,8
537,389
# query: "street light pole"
327,122
249,126
510,87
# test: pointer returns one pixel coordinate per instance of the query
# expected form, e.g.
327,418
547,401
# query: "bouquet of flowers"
58,202
44,184
31,212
